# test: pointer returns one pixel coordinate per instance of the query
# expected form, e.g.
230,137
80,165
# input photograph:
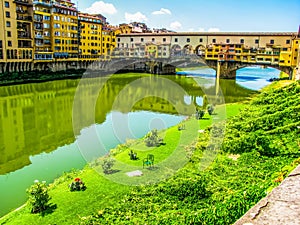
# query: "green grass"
106,190
70,206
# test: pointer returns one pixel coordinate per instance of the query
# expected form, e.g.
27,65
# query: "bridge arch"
188,49
200,50
176,50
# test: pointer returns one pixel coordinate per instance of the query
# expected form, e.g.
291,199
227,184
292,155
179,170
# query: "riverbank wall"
280,207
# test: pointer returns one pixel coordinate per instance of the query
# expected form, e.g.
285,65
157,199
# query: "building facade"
43,47
16,40
64,35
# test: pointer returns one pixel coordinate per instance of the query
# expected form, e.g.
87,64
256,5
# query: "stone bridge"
223,51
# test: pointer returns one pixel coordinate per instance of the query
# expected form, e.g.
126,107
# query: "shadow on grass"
152,168
51,208
112,172
204,118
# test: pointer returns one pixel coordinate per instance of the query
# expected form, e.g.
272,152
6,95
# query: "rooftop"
214,34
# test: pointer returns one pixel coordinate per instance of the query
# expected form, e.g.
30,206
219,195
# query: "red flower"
77,179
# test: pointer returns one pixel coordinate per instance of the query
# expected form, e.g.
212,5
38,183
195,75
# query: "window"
176,40
131,39
142,39
8,33
153,39
214,40
7,24
9,43
201,40
242,41
7,14
119,39
288,41
188,40
164,39
6,4
227,41
271,41
256,41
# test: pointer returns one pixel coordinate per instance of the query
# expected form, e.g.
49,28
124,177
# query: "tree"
38,196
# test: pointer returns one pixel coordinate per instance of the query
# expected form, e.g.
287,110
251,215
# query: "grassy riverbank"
68,207
260,147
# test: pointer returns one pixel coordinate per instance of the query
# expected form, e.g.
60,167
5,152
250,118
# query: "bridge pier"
224,69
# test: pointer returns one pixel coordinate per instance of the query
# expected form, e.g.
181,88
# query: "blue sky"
199,15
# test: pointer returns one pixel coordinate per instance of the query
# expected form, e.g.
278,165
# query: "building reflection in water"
38,117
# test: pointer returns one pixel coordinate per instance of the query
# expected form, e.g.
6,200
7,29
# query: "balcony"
20,10
25,18
38,27
24,44
43,3
23,2
24,36
39,36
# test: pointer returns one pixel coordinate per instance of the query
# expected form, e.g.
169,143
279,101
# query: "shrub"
210,109
199,114
152,139
38,196
108,163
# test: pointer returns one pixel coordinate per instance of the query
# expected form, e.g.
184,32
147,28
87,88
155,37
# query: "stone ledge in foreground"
280,207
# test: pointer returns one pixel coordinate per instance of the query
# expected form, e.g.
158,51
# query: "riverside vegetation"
261,146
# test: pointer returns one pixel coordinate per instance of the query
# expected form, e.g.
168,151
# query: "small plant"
199,114
77,185
38,196
210,109
108,163
152,139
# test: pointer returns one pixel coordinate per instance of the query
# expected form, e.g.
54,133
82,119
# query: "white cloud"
213,29
201,29
162,11
175,25
136,17
101,7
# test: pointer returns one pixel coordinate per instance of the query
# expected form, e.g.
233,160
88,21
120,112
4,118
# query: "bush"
199,114
210,109
152,139
38,196
77,185
107,165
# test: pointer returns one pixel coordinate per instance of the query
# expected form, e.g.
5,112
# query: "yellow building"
124,29
108,41
42,30
64,35
16,38
97,38
295,53
90,45
270,54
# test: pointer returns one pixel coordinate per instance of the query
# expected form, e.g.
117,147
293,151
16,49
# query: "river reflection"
37,140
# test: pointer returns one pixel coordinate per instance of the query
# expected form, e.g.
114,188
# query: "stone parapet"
280,207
